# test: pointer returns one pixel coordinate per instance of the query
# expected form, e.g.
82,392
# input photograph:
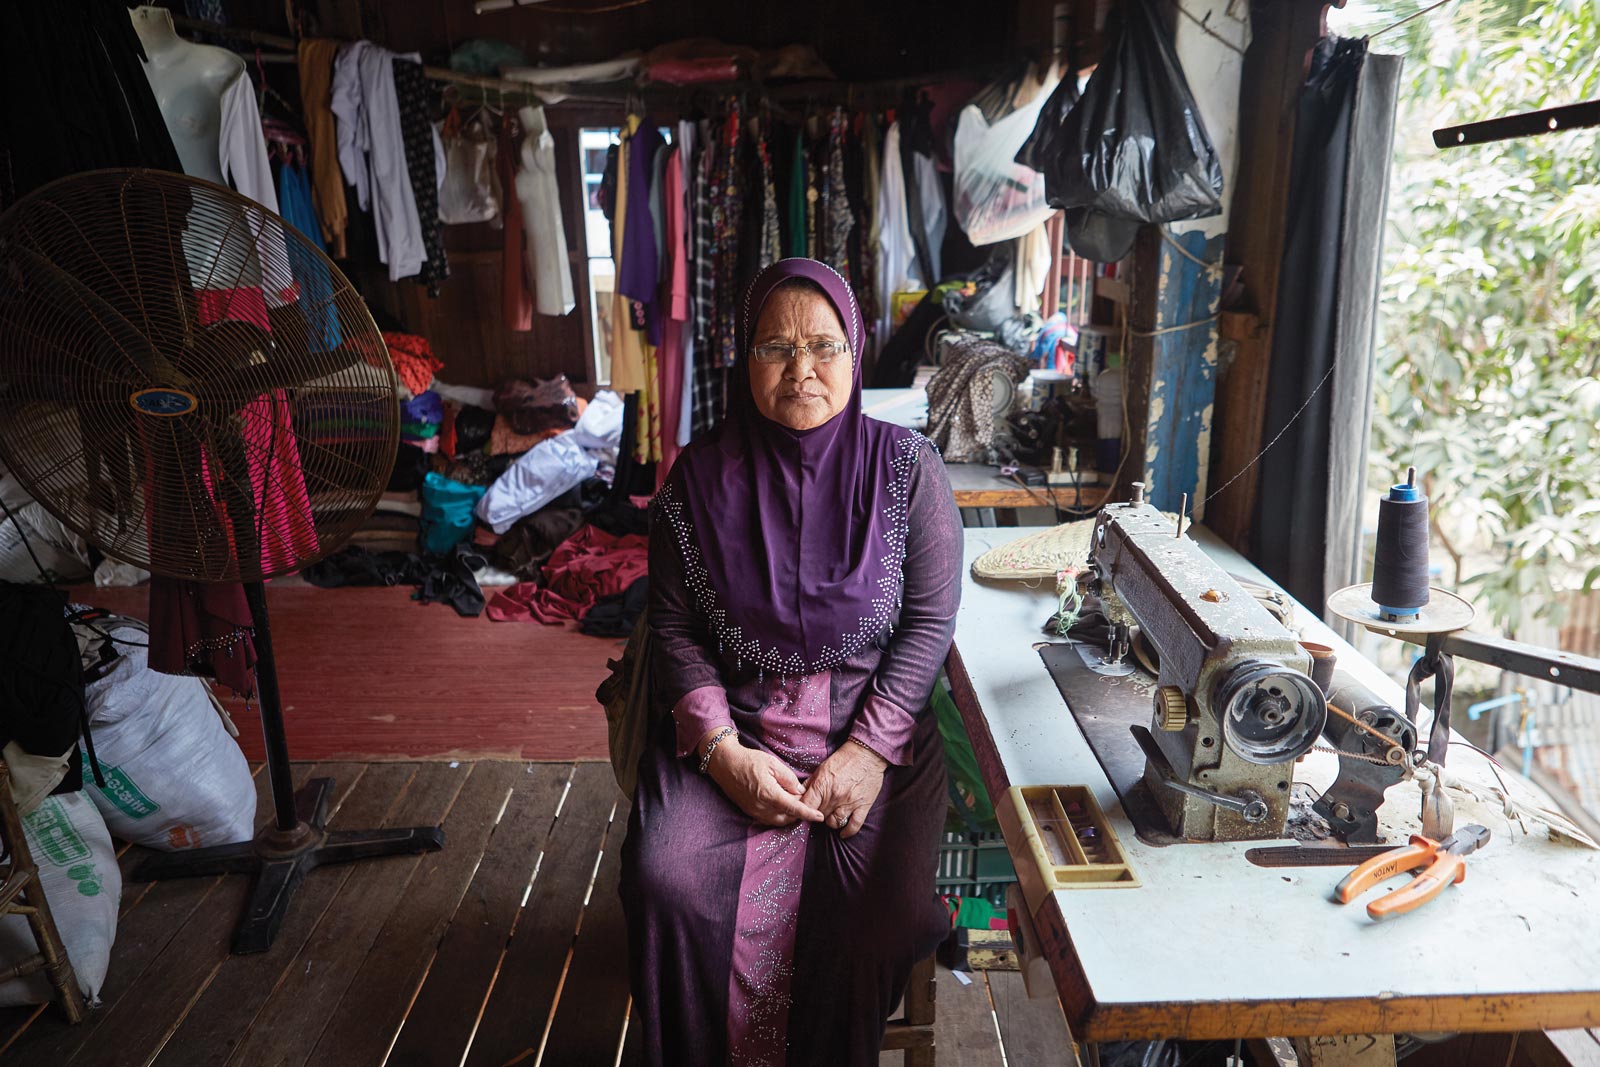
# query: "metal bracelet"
868,747
716,739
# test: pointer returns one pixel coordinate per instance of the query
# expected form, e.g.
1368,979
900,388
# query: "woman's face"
800,393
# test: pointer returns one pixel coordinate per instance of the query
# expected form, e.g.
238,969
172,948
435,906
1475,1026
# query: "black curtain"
1307,524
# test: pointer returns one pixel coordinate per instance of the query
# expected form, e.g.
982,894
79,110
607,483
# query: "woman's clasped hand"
840,793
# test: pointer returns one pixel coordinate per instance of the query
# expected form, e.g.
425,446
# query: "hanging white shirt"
896,253
540,197
242,155
345,103
372,152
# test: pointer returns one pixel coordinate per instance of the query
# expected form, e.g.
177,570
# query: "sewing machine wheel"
1270,713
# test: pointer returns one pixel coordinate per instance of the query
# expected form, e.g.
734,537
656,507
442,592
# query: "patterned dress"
755,945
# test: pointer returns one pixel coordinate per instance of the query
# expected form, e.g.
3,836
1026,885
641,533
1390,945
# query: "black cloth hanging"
415,94
1307,523
41,678
75,96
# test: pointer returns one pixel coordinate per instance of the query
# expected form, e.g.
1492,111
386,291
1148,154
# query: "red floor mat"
369,674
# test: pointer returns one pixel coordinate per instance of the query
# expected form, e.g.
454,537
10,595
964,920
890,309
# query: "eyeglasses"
822,352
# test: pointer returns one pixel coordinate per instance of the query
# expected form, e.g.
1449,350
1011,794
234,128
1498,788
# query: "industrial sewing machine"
1234,703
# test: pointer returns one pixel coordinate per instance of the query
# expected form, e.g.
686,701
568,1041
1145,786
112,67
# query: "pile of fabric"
490,486
961,398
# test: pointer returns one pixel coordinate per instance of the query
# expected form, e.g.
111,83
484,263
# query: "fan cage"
186,381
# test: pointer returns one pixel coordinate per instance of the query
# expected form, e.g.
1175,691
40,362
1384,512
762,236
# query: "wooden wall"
465,324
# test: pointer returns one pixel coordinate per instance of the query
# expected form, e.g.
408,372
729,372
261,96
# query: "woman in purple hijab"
804,576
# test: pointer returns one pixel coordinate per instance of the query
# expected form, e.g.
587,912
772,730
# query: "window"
593,145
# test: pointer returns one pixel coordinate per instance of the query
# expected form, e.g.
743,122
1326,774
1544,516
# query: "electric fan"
190,385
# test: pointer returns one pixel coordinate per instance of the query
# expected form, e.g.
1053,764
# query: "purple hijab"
794,540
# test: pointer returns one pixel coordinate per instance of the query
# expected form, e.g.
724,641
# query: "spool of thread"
1400,558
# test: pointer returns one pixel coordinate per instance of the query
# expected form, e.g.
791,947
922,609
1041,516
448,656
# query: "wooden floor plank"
214,1023
589,1015
387,980
294,1017
145,1018
145,928
519,1004
963,1024
1033,1032
446,1009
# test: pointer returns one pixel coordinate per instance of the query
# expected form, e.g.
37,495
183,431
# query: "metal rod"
1506,127
279,773
1549,664
1408,18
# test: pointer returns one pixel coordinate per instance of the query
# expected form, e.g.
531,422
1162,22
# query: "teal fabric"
446,512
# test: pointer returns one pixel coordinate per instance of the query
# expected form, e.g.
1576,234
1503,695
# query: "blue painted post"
1183,369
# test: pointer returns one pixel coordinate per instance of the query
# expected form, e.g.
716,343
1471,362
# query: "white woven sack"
83,886
174,777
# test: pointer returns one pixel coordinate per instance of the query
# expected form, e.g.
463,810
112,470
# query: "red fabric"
516,302
202,628
447,429
245,304
587,566
698,71
413,360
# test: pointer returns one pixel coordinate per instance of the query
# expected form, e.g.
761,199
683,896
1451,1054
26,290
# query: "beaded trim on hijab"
767,660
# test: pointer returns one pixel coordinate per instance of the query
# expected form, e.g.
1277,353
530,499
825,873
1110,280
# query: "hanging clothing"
934,217
771,228
424,164
639,272
627,350
311,275
549,266
727,212
327,188
733,925
797,196
516,302
837,217
689,147
866,240
896,265
675,324
242,154
372,153
202,628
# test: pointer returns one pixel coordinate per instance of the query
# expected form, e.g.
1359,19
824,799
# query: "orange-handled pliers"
1445,862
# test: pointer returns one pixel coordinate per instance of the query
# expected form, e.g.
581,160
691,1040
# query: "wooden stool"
914,1032
21,894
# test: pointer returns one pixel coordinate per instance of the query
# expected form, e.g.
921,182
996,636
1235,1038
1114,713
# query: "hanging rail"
884,92
1506,127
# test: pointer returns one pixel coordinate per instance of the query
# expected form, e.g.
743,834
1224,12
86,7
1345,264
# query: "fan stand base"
279,859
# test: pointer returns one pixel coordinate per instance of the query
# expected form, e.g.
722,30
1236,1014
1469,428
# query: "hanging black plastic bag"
1133,149
1043,143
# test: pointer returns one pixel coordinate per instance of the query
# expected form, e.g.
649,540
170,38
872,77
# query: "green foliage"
1489,348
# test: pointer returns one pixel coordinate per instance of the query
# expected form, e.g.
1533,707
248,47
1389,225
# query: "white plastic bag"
997,198
471,189
81,882
60,552
174,777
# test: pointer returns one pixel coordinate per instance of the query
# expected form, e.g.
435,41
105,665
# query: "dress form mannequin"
188,81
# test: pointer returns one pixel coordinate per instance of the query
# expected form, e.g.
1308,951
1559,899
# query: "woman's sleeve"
905,676
687,678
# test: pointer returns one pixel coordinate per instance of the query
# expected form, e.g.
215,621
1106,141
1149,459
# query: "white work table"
1211,945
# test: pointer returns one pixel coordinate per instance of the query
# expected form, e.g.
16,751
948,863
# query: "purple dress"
760,945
